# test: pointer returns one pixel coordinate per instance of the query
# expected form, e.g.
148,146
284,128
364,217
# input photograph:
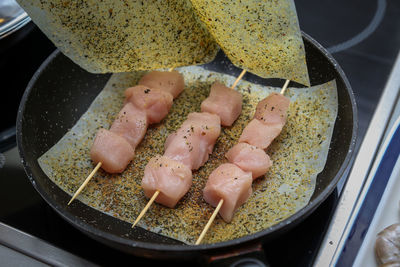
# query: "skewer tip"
205,229
136,221
85,182
146,207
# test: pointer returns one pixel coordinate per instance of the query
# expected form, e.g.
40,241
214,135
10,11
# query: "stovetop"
362,35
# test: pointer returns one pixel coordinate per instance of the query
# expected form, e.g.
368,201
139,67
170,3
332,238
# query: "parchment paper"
117,36
298,155
261,36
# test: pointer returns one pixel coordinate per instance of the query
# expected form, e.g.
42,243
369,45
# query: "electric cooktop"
362,35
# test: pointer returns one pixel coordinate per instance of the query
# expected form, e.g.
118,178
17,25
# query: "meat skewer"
148,102
242,176
173,143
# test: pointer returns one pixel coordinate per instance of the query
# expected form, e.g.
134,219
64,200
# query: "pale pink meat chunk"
112,150
171,82
192,143
131,124
154,102
250,159
273,109
223,101
172,178
230,183
259,134
205,124
185,148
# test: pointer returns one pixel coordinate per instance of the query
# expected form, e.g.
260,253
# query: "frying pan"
60,92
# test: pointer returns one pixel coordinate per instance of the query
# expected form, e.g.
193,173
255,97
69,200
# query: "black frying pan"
60,92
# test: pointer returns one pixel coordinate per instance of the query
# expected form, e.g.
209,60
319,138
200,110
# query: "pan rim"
165,248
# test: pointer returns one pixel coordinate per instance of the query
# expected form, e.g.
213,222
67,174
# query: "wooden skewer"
203,233
238,79
93,172
157,192
85,182
284,87
146,207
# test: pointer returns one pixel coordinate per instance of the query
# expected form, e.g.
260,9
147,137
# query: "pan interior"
63,88
298,155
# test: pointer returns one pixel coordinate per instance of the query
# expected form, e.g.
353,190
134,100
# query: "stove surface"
364,37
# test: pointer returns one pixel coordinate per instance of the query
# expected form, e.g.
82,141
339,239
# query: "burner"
341,24
364,36
376,20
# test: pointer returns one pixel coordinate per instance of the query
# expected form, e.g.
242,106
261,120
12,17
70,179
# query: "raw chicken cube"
131,124
205,124
249,158
155,102
112,150
230,183
259,134
184,146
194,140
171,82
172,178
273,109
223,101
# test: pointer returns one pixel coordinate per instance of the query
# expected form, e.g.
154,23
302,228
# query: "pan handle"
249,255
